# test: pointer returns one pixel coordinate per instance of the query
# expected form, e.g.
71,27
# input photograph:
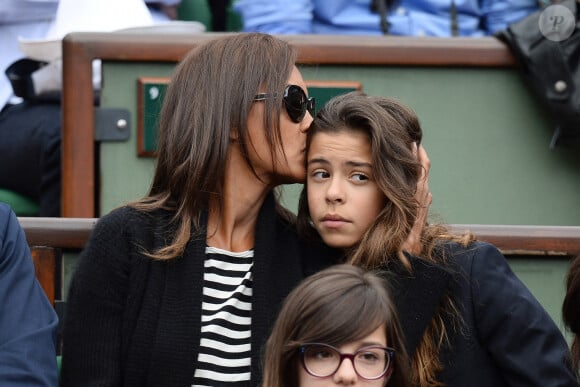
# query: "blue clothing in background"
28,322
406,17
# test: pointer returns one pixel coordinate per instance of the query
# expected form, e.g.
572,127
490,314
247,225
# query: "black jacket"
505,337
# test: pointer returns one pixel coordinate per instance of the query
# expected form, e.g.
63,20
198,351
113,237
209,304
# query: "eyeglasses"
295,100
370,363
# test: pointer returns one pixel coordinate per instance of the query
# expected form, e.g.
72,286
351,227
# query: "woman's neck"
234,228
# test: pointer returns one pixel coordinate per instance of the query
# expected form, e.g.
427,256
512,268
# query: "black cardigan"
134,321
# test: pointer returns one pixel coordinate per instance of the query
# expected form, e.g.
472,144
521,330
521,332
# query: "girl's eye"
369,357
323,354
359,177
319,174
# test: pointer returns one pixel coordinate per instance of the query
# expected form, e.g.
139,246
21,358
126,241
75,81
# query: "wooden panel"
527,240
45,266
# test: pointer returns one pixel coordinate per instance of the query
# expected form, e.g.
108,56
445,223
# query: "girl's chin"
338,243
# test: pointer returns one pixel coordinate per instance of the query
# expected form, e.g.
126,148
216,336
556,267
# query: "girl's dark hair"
571,309
210,95
336,306
391,128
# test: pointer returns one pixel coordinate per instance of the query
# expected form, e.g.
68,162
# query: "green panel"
487,138
124,176
546,278
153,94
70,263
323,94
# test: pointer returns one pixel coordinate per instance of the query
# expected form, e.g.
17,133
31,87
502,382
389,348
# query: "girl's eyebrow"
370,344
318,160
357,164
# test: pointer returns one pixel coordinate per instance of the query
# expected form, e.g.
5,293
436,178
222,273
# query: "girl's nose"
335,193
345,375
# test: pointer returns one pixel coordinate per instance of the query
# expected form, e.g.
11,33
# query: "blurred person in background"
375,17
30,116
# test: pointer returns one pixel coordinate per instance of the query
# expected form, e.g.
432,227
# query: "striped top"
225,348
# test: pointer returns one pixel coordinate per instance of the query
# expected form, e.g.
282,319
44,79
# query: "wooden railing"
527,240
48,237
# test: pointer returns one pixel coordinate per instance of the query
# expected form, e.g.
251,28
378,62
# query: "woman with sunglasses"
338,327
180,288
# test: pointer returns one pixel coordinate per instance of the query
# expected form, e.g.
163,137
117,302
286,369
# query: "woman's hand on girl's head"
424,199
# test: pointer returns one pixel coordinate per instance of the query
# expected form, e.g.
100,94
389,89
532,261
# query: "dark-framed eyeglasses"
370,363
295,100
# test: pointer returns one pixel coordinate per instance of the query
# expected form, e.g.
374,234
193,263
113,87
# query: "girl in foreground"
338,327
467,319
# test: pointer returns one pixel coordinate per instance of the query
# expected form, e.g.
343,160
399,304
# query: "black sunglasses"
295,100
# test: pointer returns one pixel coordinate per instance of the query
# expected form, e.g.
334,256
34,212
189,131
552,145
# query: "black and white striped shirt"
225,347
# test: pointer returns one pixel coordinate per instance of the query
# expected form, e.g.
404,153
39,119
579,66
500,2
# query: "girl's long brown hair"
210,94
391,128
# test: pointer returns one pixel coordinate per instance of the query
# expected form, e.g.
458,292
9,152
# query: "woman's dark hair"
336,306
207,102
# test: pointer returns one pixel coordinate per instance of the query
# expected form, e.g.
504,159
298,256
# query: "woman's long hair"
336,306
391,128
210,94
